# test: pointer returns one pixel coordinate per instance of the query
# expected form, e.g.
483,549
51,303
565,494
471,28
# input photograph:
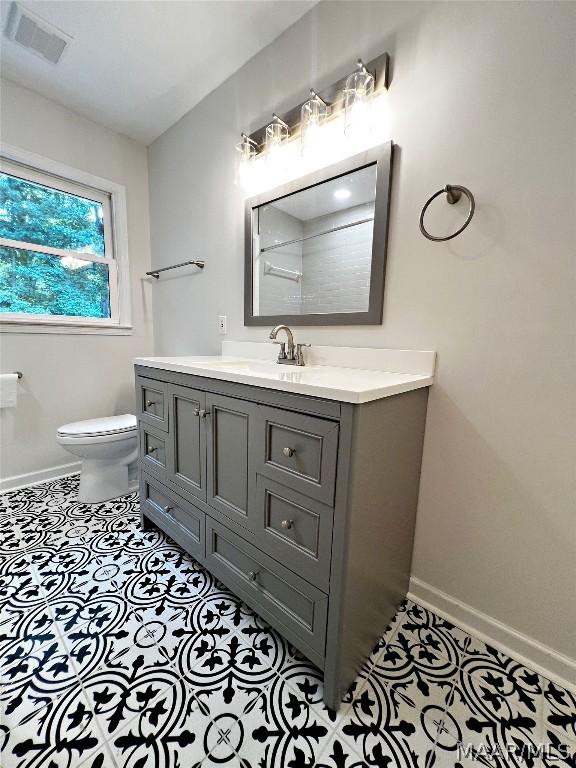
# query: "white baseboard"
41,476
533,654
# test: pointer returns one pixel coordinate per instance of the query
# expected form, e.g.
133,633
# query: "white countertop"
353,384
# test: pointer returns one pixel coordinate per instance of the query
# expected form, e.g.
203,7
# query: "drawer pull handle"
152,449
287,524
168,508
253,575
288,452
150,403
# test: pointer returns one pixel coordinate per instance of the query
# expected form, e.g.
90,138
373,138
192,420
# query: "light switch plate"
222,325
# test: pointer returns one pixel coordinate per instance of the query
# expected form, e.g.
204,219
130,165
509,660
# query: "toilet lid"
109,425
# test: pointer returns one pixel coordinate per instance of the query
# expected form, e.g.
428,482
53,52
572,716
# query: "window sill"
7,326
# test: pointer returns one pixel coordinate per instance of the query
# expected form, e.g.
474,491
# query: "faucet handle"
299,354
282,351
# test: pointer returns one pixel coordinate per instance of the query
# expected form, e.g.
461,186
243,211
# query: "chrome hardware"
196,411
282,350
288,452
290,354
287,524
253,575
151,448
299,355
149,403
195,262
202,413
168,509
453,193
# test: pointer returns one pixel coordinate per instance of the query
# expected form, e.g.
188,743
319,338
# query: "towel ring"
453,194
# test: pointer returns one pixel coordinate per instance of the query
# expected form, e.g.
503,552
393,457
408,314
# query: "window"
57,250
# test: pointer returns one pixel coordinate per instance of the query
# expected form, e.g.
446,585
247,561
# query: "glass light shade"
313,113
276,133
247,150
358,93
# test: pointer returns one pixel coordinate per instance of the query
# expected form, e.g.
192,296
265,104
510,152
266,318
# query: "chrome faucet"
290,353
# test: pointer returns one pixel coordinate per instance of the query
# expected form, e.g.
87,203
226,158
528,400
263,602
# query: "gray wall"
482,95
68,377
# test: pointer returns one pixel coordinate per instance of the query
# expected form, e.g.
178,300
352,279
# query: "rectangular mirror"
316,247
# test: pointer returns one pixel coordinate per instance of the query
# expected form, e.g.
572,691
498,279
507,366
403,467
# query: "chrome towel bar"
195,262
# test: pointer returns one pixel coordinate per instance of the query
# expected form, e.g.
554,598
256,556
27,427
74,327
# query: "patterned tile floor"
117,649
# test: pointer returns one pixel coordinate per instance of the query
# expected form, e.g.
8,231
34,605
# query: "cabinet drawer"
295,607
295,529
152,402
299,451
181,520
152,450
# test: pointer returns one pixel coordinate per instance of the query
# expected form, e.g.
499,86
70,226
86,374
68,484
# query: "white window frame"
41,170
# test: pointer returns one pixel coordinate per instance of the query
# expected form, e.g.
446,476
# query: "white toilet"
107,447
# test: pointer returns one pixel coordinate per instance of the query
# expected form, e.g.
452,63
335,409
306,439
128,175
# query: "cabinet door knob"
151,448
253,575
196,411
288,452
202,413
150,403
287,524
167,508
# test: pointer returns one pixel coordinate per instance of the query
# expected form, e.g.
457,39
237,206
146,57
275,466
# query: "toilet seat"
109,428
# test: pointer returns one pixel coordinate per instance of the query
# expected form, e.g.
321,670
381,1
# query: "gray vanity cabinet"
304,507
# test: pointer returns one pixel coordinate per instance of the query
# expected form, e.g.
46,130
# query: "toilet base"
102,481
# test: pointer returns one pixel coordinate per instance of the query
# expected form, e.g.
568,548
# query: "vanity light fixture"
335,122
313,113
358,92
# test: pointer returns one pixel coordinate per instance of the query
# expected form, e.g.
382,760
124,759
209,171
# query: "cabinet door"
187,441
231,427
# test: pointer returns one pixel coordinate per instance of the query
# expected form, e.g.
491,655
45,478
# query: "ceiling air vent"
36,35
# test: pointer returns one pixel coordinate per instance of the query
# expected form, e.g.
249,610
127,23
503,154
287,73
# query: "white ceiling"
138,67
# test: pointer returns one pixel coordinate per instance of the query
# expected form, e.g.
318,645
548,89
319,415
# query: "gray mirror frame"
382,156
